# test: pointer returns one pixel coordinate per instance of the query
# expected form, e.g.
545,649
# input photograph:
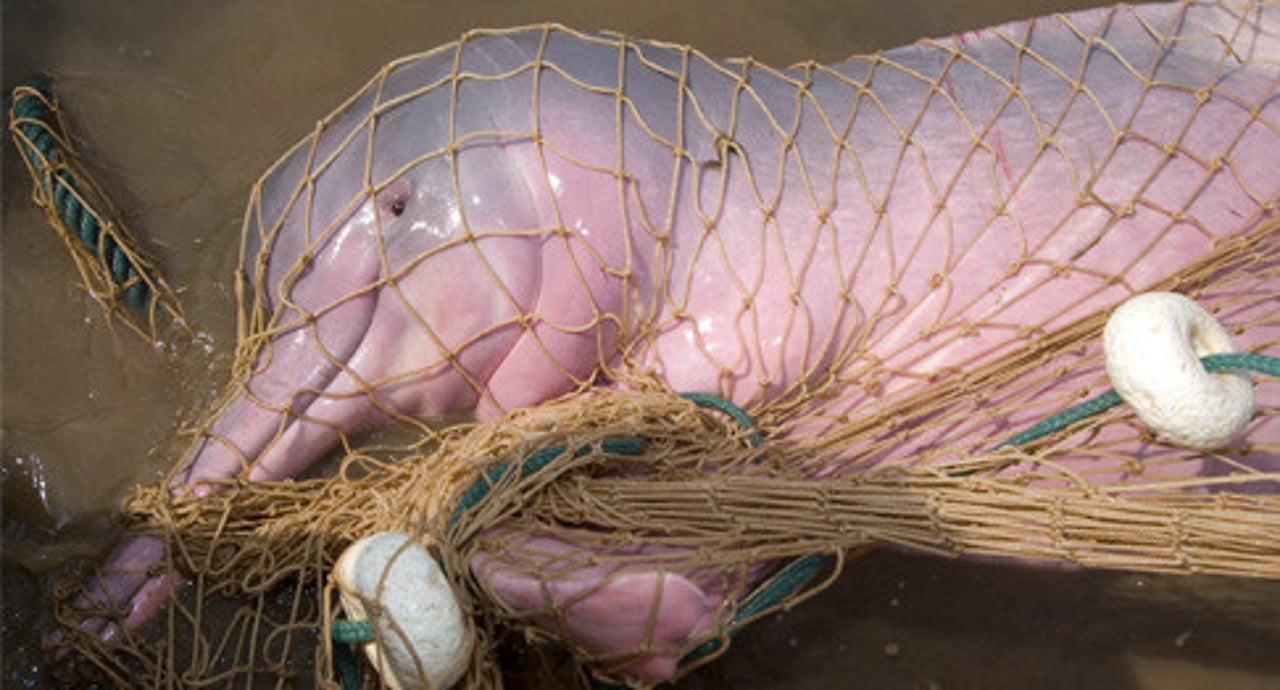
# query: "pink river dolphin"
504,219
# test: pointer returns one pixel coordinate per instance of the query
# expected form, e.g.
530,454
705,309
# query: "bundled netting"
723,327
113,270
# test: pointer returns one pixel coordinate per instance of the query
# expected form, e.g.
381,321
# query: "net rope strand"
1227,361
862,437
792,579
123,281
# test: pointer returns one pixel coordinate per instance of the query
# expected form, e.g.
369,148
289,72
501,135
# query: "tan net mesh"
892,265
113,270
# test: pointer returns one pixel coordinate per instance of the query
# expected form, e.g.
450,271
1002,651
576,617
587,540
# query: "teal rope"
777,589
1064,419
351,632
536,462
785,583
345,634
35,120
1227,361
540,459
1242,361
715,402
36,130
795,575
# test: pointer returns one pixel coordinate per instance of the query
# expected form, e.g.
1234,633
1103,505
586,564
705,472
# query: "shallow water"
178,107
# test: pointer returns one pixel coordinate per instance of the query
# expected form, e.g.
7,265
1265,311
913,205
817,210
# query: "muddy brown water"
179,106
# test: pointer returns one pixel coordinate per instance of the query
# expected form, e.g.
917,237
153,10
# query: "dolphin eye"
394,200
398,204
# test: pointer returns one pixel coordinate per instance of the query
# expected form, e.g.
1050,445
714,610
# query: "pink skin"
605,609
574,243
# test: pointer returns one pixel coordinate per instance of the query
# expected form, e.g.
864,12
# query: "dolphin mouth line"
275,419
305,396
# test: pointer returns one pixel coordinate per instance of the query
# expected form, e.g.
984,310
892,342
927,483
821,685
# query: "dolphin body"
502,220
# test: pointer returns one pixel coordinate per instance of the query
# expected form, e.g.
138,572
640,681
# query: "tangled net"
892,265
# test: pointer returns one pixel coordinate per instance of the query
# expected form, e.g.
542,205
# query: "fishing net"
113,269
874,275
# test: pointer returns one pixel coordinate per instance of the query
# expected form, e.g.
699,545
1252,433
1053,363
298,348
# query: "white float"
422,640
1153,345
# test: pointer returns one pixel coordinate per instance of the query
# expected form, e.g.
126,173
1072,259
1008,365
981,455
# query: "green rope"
539,459
345,634
1064,419
348,632
785,583
536,462
351,632
715,402
1227,361
1242,361
796,574
34,119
